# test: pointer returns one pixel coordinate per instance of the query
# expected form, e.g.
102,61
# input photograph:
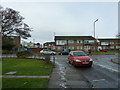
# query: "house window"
91,41
70,41
86,41
59,48
79,47
71,47
79,41
61,42
86,48
117,47
104,43
111,47
53,47
111,42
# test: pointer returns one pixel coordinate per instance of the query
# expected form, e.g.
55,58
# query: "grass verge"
31,67
24,82
26,66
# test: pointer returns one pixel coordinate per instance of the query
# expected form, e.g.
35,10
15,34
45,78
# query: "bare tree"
12,24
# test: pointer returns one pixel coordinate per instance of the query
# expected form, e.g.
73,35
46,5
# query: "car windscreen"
79,54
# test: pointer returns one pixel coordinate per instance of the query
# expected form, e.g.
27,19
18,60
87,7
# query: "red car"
79,58
104,50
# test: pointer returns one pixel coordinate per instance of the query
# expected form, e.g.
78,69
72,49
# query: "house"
49,45
66,43
110,43
16,41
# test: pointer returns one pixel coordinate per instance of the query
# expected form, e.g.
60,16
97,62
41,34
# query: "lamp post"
94,26
94,34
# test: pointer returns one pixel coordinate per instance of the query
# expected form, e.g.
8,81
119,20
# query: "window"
53,47
91,41
79,41
79,47
61,42
111,42
104,43
70,41
71,47
86,41
111,47
59,48
117,47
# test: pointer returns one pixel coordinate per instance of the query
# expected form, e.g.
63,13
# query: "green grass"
24,82
0,67
26,66
98,52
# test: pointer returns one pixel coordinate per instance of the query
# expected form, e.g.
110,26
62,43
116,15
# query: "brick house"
49,45
110,43
74,43
16,41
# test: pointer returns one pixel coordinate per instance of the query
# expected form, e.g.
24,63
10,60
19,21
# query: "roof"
74,38
107,39
49,43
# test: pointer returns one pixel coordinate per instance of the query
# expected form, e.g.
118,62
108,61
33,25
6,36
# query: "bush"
23,54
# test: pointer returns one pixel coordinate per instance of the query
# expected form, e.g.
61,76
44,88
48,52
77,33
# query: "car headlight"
91,59
78,61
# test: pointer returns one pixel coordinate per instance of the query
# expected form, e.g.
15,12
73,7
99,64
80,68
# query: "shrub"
23,54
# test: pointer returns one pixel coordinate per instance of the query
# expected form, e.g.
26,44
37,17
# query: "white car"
47,51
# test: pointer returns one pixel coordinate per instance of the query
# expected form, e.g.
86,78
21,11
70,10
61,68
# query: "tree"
12,24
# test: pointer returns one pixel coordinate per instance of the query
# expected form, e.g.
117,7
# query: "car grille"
85,60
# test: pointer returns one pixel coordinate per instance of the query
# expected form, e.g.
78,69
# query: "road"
103,73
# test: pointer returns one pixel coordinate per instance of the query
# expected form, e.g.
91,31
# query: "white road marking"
99,80
103,66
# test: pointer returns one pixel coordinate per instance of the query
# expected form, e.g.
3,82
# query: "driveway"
103,74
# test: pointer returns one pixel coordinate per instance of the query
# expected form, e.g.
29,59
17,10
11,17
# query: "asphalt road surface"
103,73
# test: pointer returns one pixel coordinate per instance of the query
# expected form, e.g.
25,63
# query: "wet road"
103,74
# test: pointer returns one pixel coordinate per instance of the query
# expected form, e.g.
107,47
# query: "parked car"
79,58
63,53
47,51
104,50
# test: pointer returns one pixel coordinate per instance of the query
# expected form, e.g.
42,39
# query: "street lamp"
94,26
94,35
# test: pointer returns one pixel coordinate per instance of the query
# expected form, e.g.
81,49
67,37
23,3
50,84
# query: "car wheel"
74,64
69,62
90,66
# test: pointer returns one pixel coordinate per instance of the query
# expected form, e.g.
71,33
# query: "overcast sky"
67,18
